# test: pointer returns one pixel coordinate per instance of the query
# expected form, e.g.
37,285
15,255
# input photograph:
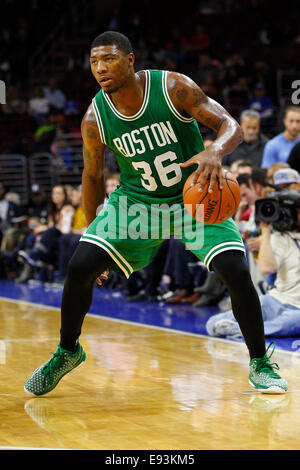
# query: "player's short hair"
296,109
113,38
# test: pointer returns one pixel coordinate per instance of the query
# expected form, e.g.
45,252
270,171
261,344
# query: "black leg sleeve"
86,264
231,268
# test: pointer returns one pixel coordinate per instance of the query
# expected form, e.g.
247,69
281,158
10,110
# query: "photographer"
279,253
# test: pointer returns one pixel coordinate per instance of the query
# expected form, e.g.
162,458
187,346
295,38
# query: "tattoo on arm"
197,97
191,100
91,132
93,149
91,160
182,94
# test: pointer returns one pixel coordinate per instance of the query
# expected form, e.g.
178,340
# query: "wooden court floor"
139,388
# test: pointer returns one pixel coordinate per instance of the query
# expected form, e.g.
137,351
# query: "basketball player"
149,120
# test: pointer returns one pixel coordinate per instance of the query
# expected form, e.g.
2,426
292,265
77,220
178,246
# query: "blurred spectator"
287,178
294,157
69,189
45,134
54,95
15,103
39,105
238,166
273,168
78,222
44,253
252,187
208,75
111,183
146,284
209,87
182,280
258,180
279,147
260,102
236,72
37,208
278,253
199,40
7,209
63,154
254,141
69,241
244,167
244,216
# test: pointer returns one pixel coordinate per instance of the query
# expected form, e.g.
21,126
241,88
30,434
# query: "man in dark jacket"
254,142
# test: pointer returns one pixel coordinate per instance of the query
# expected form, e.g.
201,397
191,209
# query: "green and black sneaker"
263,376
46,377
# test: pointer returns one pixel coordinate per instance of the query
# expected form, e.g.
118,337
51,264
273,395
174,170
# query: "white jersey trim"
99,121
144,104
169,102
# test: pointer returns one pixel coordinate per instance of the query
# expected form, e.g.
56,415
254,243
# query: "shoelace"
264,364
55,362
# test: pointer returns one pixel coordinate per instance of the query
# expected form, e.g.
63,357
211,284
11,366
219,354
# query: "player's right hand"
209,169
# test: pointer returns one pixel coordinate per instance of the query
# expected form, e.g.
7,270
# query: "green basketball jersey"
150,144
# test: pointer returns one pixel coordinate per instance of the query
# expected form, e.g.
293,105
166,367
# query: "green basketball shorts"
131,230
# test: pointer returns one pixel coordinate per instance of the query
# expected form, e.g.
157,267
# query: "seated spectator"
234,168
260,102
15,103
39,105
55,96
146,283
44,252
244,167
182,280
199,40
279,253
69,241
235,71
111,182
8,209
279,147
45,134
272,170
287,178
244,216
253,143
251,189
294,158
63,154
209,87
37,208
207,67
12,219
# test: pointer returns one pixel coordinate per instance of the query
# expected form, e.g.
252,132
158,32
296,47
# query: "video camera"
279,209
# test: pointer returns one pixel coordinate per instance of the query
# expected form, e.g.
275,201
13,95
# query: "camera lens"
268,210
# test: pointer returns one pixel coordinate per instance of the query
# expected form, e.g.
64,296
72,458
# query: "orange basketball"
218,206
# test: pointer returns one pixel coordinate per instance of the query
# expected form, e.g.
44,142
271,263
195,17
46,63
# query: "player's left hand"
103,276
209,164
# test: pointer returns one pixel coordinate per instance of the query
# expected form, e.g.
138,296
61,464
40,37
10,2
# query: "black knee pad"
87,263
231,267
